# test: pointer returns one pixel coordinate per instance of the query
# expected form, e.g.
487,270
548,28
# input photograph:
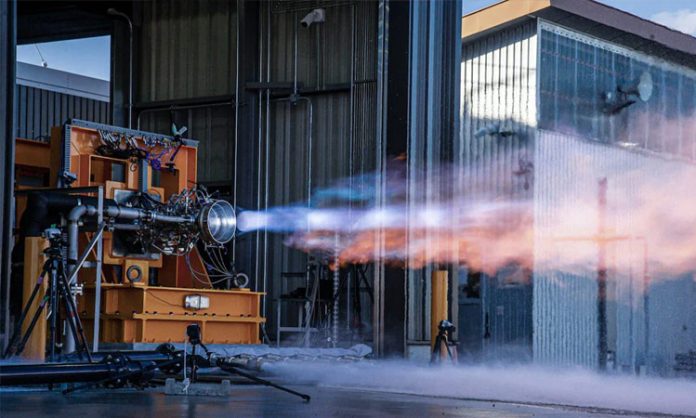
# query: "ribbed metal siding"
324,50
565,306
187,50
213,128
343,137
38,110
499,86
576,70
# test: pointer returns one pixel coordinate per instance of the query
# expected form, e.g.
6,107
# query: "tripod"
57,292
443,328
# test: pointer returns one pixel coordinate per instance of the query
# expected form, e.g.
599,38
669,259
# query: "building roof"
62,82
590,17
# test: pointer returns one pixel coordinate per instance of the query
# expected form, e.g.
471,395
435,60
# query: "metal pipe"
8,157
115,12
158,217
236,126
294,71
184,107
98,270
73,235
127,227
33,374
267,154
335,306
646,290
90,245
258,159
121,212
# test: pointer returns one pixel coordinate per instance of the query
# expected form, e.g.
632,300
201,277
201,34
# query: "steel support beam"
418,76
8,43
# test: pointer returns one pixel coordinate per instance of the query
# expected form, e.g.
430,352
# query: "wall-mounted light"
628,94
315,16
495,129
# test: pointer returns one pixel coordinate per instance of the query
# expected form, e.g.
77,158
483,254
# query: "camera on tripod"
54,236
446,326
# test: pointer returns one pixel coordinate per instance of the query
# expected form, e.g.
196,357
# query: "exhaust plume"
459,215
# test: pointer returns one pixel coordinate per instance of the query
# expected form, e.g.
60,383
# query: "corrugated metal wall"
38,110
578,70
499,93
336,63
575,70
565,306
187,51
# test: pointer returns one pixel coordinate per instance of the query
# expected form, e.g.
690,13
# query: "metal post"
602,274
438,305
8,38
97,282
335,306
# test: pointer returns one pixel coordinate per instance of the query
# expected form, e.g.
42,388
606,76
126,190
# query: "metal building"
542,89
511,94
280,109
48,97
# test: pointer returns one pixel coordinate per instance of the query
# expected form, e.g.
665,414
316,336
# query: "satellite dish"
645,86
642,87
628,94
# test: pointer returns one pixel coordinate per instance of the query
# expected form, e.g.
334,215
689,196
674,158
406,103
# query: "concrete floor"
259,401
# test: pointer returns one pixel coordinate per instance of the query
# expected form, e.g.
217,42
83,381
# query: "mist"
446,215
504,383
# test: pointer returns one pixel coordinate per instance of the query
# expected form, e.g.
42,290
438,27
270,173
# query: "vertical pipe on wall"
336,303
602,274
646,311
258,158
267,152
380,141
236,125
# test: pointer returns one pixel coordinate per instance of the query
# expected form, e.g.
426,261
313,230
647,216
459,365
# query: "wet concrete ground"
260,401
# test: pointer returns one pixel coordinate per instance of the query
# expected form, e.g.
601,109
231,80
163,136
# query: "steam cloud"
449,216
510,383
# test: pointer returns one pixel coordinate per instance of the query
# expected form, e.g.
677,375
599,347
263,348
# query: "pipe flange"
134,273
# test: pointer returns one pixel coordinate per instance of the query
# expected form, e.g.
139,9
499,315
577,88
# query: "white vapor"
682,20
510,383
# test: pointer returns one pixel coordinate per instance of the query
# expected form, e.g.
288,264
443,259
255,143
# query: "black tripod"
58,291
444,327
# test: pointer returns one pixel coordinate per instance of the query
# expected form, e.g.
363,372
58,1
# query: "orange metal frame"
137,312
